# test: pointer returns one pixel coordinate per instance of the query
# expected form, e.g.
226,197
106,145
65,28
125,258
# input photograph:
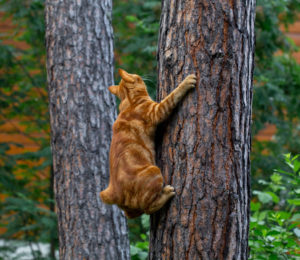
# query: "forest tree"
203,150
79,41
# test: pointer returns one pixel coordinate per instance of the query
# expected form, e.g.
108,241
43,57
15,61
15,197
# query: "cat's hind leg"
149,186
167,193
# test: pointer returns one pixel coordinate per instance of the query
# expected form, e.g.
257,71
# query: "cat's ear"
114,90
126,76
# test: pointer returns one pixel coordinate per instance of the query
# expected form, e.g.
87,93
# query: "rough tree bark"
203,149
79,41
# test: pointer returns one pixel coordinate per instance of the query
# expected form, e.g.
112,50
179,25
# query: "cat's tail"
107,196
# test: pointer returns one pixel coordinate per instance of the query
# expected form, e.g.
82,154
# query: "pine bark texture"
79,40
203,149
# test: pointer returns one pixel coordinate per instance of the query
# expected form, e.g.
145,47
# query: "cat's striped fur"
136,184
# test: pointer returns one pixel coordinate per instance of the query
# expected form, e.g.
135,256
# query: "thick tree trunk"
80,68
203,149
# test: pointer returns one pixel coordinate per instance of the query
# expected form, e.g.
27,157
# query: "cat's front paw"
168,189
190,81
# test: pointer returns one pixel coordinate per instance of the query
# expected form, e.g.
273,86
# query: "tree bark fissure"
203,149
79,41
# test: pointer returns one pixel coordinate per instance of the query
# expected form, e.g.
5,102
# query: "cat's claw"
168,189
190,81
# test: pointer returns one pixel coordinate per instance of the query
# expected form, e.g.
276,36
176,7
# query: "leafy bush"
27,204
276,93
274,222
275,217
139,246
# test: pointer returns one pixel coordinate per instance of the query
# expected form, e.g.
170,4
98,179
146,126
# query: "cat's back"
134,120
133,135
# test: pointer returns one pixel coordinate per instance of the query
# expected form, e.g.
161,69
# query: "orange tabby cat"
136,184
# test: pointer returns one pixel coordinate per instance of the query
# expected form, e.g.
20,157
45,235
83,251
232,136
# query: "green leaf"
276,178
295,202
296,166
263,182
273,233
131,18
134,250
291,243
262,215
287,157
273,257
295,157
297,232
143,255
275,198
255,206
284,172
145,221
296,217
292,226
258,232
263,196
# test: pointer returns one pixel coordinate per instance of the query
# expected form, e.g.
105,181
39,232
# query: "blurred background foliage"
27,205
275,217
276,95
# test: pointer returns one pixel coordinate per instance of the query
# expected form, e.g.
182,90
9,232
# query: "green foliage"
275,218
26,211
139,237
269,36
276,97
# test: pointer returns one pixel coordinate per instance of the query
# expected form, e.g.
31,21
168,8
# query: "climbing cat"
136,184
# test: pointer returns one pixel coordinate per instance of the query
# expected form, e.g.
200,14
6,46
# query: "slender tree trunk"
52,208
203,149
80,68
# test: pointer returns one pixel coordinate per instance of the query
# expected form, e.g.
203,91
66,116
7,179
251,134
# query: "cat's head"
130,85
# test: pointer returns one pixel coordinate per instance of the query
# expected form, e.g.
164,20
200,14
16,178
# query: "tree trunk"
80,68
52,209
203,149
